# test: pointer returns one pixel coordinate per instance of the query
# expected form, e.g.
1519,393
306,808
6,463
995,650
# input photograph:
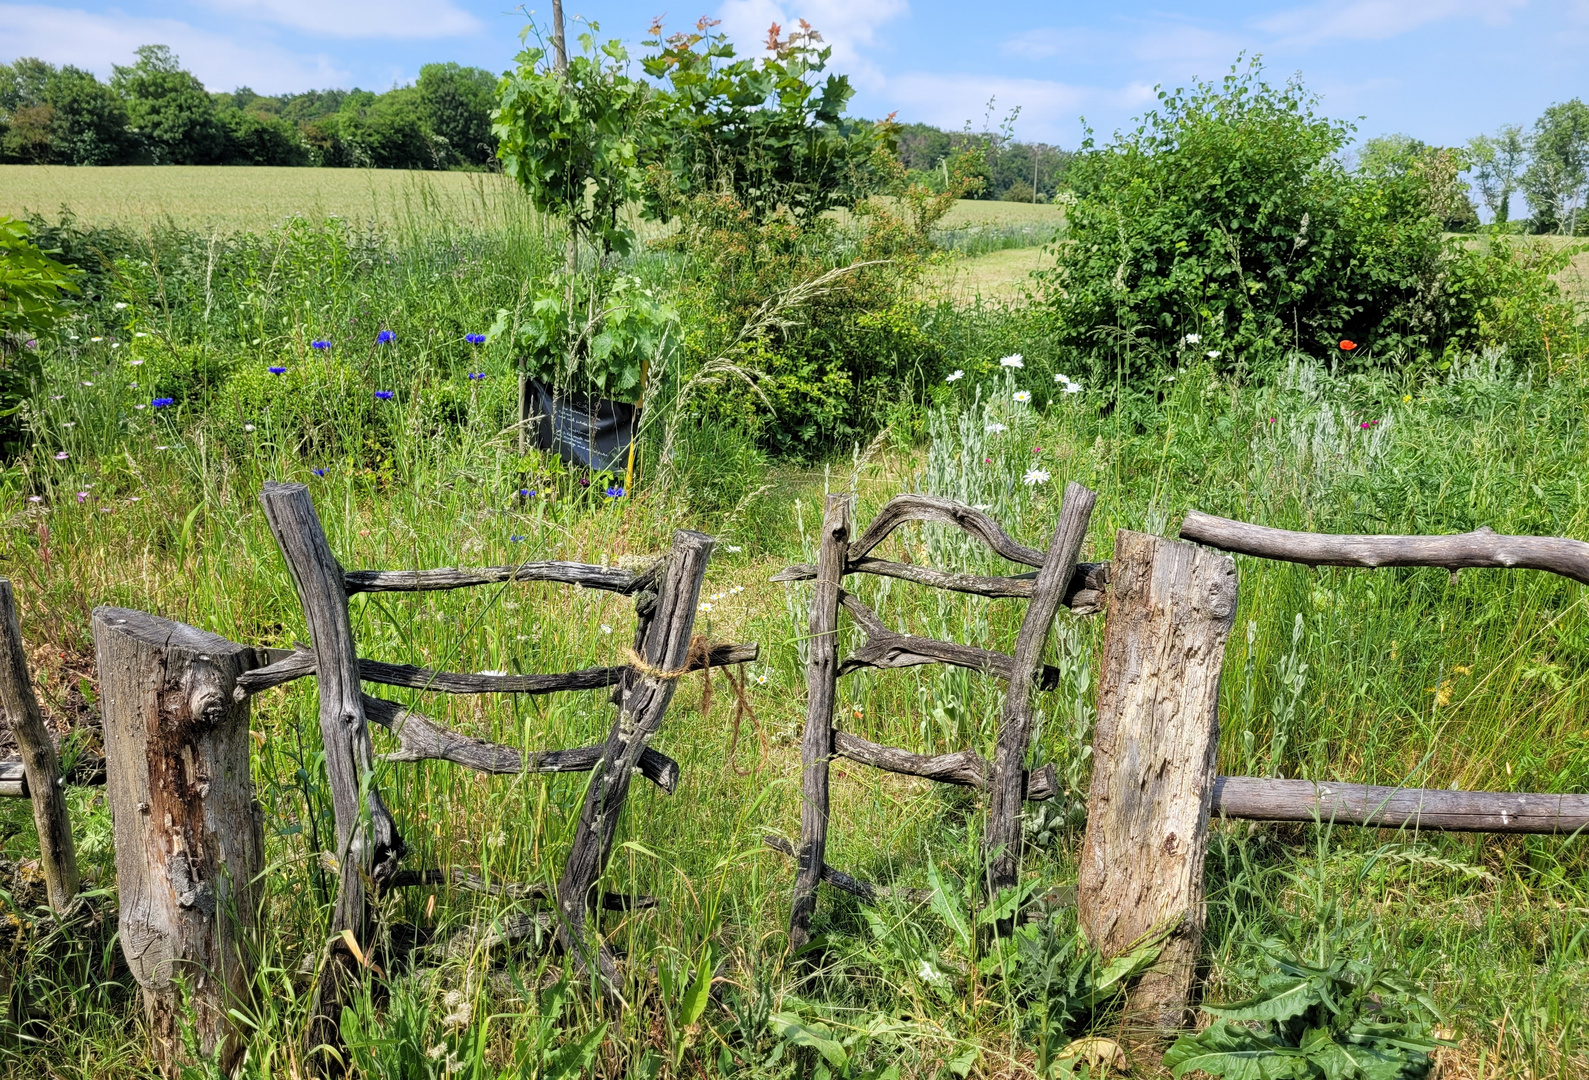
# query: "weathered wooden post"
368,844
816,748
643,697
189,849
1001,844
1153,760
41,767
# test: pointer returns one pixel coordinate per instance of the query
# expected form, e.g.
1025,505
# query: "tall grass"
1391,676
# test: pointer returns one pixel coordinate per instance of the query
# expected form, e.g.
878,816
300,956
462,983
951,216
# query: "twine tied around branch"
699,657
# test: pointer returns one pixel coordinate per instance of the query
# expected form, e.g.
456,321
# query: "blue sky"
1441,70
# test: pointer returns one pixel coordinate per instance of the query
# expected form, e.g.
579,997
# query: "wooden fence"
188,845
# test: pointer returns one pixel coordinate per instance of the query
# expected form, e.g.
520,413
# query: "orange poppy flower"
1348,345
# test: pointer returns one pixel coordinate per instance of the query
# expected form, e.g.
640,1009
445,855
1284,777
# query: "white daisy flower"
1212,354
1022,396
1013,360
1035,476
954,376
1191,339
995,428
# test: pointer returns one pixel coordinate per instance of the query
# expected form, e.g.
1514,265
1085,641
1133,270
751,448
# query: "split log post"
190,851
1153,760
643,699
41,767
368,844
1001,844
816,748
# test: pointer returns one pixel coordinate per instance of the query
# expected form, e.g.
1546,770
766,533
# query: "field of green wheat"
1400,676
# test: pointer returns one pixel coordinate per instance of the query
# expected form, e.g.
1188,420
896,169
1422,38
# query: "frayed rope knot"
697,657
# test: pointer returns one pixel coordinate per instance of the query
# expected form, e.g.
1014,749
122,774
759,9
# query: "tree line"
154,112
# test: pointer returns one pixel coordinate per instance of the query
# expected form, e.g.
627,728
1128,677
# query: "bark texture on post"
1001,844
41,767
644,696
349,757
189,849
816,748
1153,760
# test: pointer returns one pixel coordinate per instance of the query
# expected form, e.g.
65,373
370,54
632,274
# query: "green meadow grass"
1410,678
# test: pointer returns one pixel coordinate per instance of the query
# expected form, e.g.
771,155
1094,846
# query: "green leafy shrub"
1227,216
771,133
33,291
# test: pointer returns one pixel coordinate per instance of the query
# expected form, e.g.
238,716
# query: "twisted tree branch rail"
885,648
964,767
585,575
460,878
87,772
1083,594
1482,548
1257,799
301,662
906,508
862,890
422,739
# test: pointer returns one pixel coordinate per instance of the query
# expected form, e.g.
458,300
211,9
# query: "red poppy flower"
1348,346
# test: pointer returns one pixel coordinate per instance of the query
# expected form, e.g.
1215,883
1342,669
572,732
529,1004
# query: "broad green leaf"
946,904
1236,1053
574,1058
1281,1000
819,1037
700,990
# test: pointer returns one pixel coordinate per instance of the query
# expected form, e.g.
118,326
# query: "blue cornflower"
277,370
319,344
384,395
477,374
162,402
475,339
615,493
319,472
385,337
525,493
515,539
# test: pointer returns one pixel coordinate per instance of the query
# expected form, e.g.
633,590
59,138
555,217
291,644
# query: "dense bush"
1226,220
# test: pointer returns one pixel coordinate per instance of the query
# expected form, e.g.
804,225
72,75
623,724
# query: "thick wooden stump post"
816,748
189,849
41,767
643,698
1153,760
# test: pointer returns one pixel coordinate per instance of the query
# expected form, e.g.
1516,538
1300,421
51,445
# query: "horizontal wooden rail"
1257,799
301,662
88,772
906,508
422,739
884,648
862,890
1482,548
585,575
1084,594
965,767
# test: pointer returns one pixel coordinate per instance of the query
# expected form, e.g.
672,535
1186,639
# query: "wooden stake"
816,748
189,847
41,767
1153,760
368,844
643,700
1001,844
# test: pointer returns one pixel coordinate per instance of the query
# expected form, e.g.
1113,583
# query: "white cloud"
360,18
849,26
95,42
1177,45
1376,20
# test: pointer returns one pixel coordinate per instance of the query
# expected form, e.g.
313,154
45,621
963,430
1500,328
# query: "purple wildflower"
277,370
162,402
319,472
615,492
475,339
385,337
384,395
319,344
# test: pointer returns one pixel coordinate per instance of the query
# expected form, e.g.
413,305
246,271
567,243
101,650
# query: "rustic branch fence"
1006,778
189,849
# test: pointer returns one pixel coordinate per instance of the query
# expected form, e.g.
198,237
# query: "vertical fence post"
189,848
643,698
41,767
368,843
1001,844
1153,760
816,748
